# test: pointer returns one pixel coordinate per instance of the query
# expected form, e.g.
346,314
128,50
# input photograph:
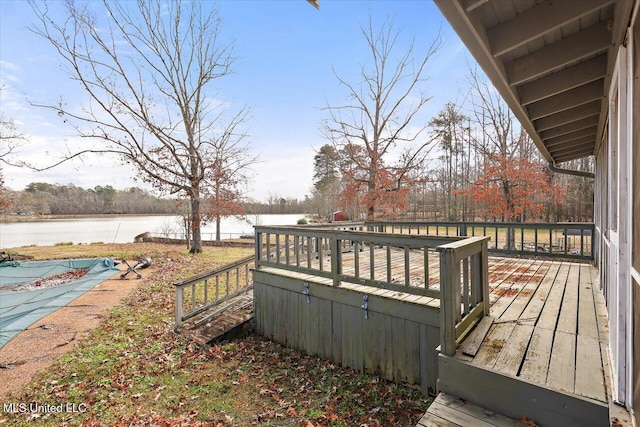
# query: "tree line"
39,198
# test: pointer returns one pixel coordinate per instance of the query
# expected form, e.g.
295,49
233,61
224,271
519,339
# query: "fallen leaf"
526,421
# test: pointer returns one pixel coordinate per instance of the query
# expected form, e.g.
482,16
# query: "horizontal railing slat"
208,274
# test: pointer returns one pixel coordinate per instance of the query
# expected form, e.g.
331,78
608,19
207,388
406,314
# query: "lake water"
123,229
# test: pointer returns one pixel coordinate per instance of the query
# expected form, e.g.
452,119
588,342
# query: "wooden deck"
541,354
544,348
548,321
549,327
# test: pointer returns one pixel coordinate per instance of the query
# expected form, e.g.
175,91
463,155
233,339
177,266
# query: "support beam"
564,101
570,127
538,21
553,57
588,132
470,5
581,140
568,116
585,72
572,148
574,156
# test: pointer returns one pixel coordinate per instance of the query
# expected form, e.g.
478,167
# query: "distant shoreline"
34,218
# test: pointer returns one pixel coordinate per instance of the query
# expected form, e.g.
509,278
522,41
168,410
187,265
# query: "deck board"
549,315
450,411
513,352
589,375
546,328
562,364
536,362
568,320
587,322
474,340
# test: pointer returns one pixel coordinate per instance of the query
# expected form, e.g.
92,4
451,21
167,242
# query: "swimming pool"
21,306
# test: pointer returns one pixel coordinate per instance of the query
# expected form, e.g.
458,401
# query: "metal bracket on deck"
307,293
365,306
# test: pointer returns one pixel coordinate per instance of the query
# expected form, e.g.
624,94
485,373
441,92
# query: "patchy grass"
210,258
133,370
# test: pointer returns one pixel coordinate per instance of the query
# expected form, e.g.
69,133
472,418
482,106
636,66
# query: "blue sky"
286,53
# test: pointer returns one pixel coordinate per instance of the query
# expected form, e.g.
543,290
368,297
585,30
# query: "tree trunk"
196,239
218,228
371,188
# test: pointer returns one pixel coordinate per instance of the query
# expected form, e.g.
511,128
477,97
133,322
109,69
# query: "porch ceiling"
551,60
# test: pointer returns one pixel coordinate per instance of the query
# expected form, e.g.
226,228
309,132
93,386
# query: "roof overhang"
551,61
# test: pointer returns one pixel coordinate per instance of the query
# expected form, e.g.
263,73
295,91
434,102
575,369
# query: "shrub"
302,221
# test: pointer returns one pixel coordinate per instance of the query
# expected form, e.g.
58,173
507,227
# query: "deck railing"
565,240
464,288
199,293
398,262
319,251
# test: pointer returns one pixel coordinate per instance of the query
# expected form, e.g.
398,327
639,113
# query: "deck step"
451,411
516,397
233,319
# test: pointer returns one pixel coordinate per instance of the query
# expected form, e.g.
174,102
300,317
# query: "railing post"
336,259
449,300
179,309
258,245
484,278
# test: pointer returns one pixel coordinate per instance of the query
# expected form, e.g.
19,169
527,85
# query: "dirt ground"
35,349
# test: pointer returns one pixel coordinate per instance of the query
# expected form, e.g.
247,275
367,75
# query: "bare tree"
497,122
10,137
378,114
148,71
11,140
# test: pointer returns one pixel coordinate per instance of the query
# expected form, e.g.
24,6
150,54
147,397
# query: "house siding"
635,220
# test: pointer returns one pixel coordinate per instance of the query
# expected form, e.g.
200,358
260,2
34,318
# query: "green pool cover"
19,310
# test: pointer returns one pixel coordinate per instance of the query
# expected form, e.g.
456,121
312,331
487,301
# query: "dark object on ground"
9,257
5,257
10,260
142,263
